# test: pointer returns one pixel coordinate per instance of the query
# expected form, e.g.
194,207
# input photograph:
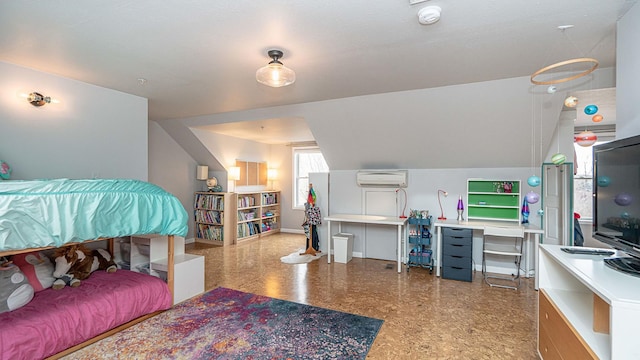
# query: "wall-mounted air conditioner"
382,178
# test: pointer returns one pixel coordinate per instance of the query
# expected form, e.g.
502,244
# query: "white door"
380,240
557,201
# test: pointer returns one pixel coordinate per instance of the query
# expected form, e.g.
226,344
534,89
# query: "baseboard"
292,231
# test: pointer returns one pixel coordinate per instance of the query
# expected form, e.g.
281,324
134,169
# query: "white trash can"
342,247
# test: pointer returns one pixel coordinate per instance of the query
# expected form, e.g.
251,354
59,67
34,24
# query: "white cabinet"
580,295
188,277
148,254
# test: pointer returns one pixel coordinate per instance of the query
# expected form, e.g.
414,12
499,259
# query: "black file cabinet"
456,254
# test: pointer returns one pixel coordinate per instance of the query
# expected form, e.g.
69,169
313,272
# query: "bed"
43,214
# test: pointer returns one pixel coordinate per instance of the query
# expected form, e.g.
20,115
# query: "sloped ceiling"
198,58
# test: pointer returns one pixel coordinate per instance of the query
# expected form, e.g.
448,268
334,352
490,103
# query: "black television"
616,200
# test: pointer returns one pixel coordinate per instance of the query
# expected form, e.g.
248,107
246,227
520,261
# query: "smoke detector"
429,15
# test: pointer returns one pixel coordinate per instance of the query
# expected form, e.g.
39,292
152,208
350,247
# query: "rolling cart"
418,244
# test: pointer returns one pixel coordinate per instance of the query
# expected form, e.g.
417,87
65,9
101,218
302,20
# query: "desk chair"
506,242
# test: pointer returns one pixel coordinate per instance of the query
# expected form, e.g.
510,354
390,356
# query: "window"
583,179
305,160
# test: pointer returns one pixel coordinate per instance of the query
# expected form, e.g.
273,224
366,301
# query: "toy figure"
15,290
75,263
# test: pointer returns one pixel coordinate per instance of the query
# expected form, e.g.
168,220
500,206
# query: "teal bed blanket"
43,213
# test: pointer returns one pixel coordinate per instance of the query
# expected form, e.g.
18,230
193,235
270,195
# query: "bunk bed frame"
172,222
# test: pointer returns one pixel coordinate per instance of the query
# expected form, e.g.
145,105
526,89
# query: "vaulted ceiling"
199,57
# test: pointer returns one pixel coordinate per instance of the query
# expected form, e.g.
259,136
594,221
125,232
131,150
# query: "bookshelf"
497,199
258,214
214,215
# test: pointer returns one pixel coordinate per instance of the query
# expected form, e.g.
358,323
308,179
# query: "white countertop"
611,285
367,219
480,225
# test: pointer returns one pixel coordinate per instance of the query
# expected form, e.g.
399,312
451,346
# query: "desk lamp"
460,209
441,217
403,216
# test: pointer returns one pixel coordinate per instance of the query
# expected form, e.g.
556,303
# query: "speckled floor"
425,317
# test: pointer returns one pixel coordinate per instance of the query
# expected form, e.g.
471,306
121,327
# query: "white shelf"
162,264
571,281
577,307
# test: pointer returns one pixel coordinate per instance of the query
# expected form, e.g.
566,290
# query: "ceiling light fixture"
275,74
429,15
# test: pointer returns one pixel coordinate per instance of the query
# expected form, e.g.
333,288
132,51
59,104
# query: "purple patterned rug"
230,324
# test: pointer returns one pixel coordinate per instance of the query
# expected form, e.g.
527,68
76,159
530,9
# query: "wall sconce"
202,172
37,99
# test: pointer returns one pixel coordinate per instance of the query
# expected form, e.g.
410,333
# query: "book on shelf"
209,216
247,215
269,199
209,201
208,232
248,229
246,201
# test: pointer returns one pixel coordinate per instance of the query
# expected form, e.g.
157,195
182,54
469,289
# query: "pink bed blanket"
56,320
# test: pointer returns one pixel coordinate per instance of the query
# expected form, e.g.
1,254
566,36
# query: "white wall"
171,168
92,132
628,74
346,196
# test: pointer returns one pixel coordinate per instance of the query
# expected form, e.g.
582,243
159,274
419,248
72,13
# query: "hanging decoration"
586,138
533,181
532,197
597,118
590,109
558,159
593,62
571,101
623,199
603,181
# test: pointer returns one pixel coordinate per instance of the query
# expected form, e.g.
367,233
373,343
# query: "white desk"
366,219
529,229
